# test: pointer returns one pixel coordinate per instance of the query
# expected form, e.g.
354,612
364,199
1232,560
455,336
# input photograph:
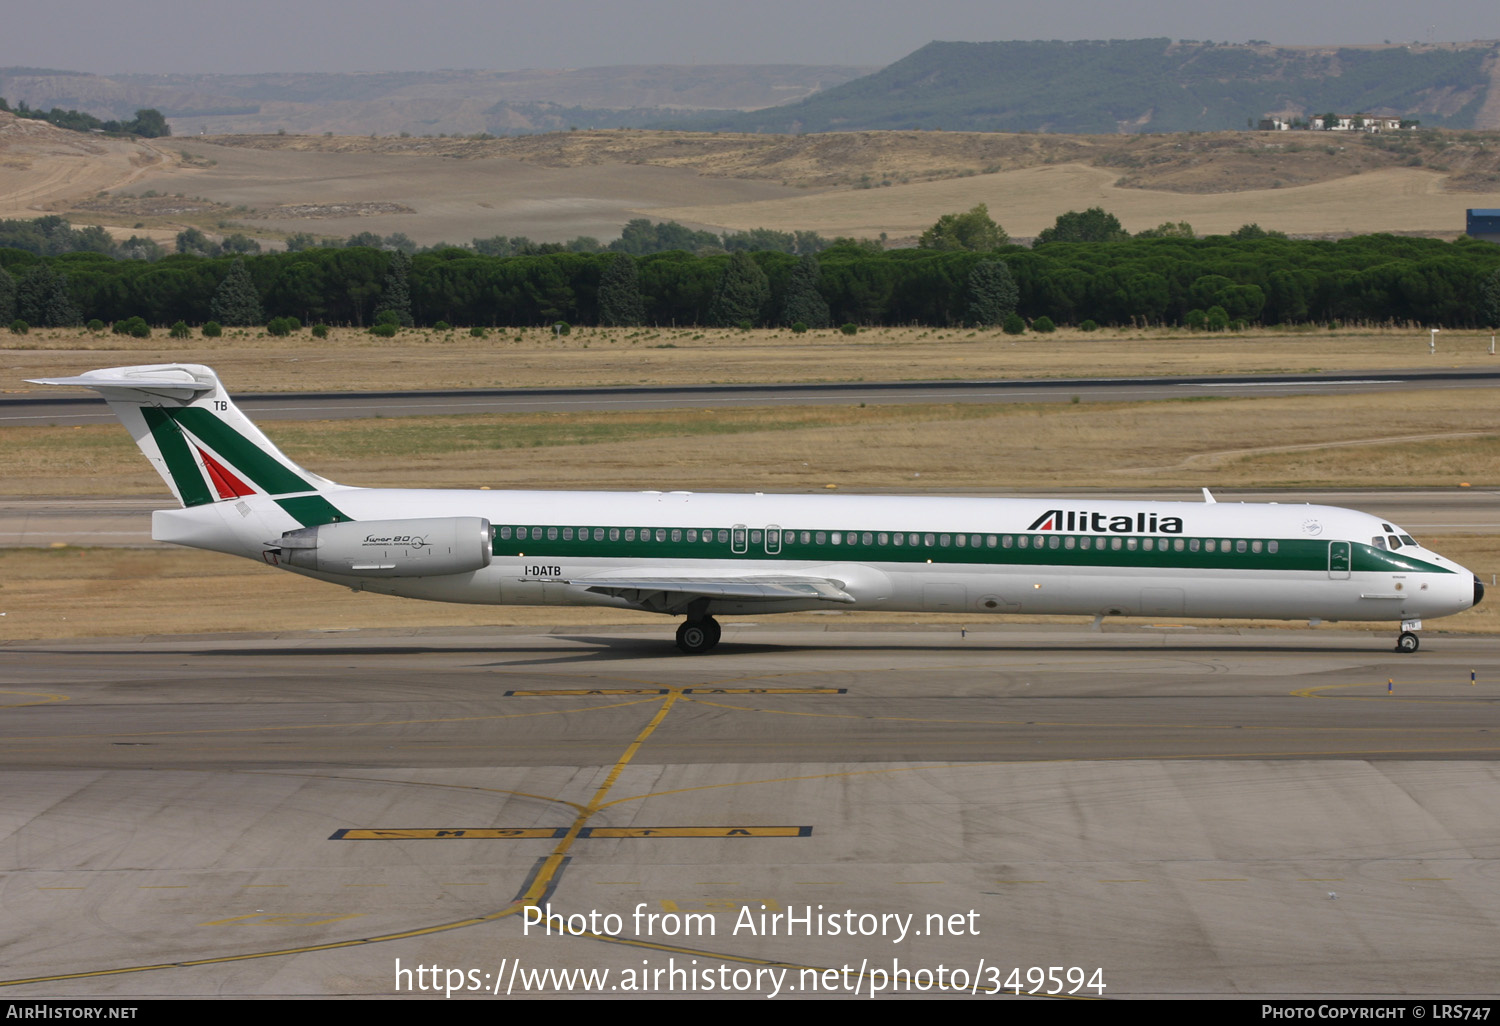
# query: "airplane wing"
670,590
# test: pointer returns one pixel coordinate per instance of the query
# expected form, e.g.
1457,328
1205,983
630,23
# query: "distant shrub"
850,329
478,332
19,327
320,331
1013,325
283,326
1043,324
1195,319
95,325
385,330
211,330
388,317
1217,319
135,327
179,330
799,328
1089,325
442,326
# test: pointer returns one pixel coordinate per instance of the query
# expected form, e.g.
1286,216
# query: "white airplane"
697,555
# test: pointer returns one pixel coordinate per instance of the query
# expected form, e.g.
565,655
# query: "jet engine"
426,547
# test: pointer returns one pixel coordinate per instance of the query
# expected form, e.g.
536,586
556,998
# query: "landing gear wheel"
1407,642
695,636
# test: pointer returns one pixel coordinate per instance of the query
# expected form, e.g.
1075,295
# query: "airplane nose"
1478,590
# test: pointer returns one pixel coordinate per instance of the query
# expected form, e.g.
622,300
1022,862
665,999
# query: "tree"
742,293
239,243
1092,225
804,304
7,297
42,299
992,293
1489,296
1167,230
195,243
236,302
395,294
149,123
974,231
620,303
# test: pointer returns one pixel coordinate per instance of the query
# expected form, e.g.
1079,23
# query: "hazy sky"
413,35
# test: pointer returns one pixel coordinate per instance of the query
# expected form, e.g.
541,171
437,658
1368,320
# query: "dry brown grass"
1027,200
251,361
1305,441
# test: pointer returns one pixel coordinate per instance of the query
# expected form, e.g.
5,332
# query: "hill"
424,103
1138,85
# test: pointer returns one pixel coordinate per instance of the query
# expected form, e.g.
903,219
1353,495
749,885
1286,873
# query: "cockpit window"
1407,539
1395,542
1378,541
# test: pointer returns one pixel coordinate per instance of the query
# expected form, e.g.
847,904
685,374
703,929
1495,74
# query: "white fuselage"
898,553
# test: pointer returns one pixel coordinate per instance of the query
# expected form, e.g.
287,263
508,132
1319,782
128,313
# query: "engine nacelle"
427,547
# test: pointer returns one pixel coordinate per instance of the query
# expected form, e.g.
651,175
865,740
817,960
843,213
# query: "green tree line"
1171,280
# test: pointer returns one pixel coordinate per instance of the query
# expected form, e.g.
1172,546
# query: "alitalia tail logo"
1098,523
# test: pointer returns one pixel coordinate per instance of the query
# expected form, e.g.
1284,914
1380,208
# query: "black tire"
694,637
714,630
1408,642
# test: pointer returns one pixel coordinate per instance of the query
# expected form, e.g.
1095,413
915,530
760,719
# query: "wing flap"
753,588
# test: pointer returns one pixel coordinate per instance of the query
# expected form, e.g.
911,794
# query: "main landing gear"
1407,642
695,636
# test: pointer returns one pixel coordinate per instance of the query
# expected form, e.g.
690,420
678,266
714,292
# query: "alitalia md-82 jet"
698,555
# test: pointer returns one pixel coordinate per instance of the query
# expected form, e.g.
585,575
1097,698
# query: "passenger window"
1069,542
960,540
630,534
614,534
883,538
1178,544
1194,545
990,541
821,537
1255,546
899,539
1131,543
1005,541
867,539
1272,546
676,535
1239,546
567,534
1116,544
1054,542
505,533
1024,541
1085,542
944,540
929,540
661,534
552,534
692,535
755,537
1148,544
723,536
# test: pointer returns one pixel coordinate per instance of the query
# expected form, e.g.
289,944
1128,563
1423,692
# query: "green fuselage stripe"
1293,554
312,510
191,486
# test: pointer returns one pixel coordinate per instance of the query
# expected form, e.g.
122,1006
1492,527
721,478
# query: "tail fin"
193,434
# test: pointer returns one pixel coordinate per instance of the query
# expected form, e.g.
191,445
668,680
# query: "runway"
57,408
1196,812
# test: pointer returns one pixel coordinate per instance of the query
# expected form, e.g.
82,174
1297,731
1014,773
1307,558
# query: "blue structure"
1484,224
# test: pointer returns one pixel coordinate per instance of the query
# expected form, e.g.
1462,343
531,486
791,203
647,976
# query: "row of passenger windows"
773,538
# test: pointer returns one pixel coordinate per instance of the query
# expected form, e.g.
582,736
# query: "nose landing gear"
1408,642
